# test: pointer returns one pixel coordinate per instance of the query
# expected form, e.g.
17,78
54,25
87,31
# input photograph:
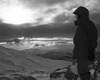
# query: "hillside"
56,55
13,61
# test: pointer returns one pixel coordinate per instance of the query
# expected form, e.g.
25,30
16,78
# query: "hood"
81,12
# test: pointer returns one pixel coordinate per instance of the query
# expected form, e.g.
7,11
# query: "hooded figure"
85,42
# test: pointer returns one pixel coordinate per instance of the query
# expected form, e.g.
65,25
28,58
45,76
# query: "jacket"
85,38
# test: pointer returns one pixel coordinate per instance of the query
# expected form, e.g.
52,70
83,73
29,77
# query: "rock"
23,78
98,76
5,78
18,78
30,78
63,74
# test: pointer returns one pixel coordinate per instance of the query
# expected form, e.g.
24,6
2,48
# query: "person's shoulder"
91,26
91,23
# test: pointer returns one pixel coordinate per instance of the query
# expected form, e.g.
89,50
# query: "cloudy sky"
43,18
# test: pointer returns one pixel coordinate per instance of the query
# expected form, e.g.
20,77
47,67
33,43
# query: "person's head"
81,12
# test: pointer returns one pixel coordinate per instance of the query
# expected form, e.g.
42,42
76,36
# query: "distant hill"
57,55
43,50
35,51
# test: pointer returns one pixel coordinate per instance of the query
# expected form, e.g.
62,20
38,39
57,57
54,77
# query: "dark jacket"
85,39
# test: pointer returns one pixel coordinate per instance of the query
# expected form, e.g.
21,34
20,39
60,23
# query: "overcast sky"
43,18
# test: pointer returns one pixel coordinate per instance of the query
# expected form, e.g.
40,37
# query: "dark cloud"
62,18
51,2
61,30
52,10
8,31
43,2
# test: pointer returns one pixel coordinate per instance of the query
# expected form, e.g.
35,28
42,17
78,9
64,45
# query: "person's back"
85,41
86,36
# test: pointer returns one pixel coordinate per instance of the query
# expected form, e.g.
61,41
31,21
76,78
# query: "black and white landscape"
36,36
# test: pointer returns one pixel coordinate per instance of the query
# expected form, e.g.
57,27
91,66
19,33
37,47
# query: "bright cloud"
16,15
37,12
27,43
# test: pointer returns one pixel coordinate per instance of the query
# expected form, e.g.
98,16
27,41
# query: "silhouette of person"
85,42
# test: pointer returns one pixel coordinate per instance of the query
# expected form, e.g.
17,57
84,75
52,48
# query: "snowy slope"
13,61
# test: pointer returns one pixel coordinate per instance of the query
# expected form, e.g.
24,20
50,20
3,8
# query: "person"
85,42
